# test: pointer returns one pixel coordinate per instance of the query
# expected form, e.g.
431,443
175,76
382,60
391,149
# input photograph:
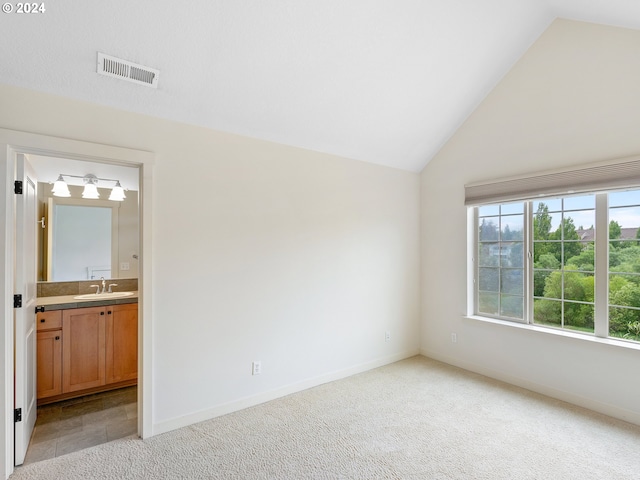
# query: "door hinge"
17,301
17,187
17,415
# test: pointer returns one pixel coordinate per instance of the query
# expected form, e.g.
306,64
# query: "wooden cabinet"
49,353
87,349
122,343
83,352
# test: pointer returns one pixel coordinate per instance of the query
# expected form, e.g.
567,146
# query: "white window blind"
619,174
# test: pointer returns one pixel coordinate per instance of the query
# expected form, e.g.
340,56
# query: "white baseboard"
242,403
569,397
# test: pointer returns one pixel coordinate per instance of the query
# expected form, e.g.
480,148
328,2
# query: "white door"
25,316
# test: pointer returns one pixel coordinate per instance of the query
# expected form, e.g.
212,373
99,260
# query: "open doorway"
14,144
87,348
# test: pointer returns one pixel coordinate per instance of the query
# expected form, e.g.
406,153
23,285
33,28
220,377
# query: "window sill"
562,333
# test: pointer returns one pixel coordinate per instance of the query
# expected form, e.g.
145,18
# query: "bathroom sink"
103,296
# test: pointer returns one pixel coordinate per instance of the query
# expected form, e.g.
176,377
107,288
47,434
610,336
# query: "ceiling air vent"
129,71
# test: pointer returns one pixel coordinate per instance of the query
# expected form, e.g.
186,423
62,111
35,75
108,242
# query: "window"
501,260
563,262
624,265
570,262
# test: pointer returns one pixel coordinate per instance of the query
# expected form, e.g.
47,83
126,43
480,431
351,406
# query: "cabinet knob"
58,337
42,320
101,313
109,312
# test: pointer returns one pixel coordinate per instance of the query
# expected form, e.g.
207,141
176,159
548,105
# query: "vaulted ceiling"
386,82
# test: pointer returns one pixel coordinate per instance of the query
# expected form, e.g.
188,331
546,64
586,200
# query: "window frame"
601,271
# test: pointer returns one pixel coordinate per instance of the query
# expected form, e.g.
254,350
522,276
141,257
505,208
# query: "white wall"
572,99
260,252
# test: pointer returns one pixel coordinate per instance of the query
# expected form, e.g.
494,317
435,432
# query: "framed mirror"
82,240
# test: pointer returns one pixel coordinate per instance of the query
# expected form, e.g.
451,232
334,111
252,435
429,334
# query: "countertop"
67,301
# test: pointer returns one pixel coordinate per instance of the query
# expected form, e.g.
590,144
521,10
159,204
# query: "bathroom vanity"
85,346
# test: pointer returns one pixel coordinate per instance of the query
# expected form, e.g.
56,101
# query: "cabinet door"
83,352
122,343
49,358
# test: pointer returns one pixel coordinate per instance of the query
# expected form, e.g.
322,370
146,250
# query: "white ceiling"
383,81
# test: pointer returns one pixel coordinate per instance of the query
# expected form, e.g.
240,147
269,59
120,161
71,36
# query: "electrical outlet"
387,336
256,368
454,338
124,265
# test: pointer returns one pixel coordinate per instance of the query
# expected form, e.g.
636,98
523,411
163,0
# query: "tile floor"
83,422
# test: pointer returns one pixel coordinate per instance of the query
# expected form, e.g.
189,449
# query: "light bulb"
90,191
117,193
60,188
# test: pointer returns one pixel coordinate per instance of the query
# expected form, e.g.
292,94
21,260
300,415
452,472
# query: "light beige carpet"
415,419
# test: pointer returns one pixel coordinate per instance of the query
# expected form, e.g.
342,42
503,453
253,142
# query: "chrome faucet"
112,285
96,286
104,285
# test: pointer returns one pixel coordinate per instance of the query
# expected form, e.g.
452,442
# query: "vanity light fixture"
61,189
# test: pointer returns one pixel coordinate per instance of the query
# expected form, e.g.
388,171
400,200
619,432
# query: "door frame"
13,142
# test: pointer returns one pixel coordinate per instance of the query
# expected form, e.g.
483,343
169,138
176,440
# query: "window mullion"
562,264
601,321
528,261
472,274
